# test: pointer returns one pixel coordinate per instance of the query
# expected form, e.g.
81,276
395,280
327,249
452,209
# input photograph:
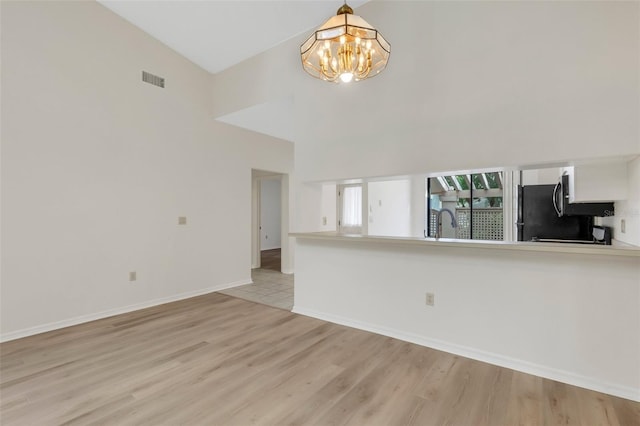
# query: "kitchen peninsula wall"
490,84
566,313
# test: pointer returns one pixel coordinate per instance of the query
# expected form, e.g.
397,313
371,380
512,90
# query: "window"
465,206
350,209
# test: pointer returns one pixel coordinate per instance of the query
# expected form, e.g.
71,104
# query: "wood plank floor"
219,360
271,259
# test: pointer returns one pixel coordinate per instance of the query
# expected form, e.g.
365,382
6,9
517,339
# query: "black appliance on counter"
538,218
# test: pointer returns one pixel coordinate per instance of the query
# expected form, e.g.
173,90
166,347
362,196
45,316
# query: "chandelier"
344,49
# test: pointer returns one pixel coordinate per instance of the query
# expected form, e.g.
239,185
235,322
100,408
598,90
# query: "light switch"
182,220
430,299
132,276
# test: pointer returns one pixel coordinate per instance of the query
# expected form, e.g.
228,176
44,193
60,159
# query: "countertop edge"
476,244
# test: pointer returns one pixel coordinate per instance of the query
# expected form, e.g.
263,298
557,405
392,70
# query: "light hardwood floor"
271,259
219,360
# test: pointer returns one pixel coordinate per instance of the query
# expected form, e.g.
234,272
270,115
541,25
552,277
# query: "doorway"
270,257
270,223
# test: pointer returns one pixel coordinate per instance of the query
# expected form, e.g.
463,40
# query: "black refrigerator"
537,217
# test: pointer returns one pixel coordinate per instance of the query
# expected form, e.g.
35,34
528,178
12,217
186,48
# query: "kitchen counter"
616,249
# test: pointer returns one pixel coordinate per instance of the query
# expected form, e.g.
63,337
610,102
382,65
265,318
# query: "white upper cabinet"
597,182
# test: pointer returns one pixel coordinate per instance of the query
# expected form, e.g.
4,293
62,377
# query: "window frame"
501,177
342,229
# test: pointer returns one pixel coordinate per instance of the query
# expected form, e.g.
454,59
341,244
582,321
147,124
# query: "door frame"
256,178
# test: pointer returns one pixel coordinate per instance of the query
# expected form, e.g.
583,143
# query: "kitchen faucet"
439,218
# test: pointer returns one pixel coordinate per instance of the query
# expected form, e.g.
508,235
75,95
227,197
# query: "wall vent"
152,79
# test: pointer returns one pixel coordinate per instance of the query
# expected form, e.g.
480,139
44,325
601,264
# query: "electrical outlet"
182,220
430,299
324,220
132,276
623,226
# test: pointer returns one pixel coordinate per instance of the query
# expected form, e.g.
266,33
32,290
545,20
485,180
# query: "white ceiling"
217,34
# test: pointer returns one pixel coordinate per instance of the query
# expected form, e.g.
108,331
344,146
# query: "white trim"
255,221
116,311
479,355
508,222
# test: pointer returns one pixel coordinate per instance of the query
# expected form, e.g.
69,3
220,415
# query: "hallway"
271,259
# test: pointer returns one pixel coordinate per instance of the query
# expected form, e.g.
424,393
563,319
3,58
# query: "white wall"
97,166
389,208
308,208
479,84
270,213
628,210
418,205
469,85
240,88
576,319
329,207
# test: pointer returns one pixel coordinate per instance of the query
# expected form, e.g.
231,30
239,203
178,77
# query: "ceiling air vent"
152,79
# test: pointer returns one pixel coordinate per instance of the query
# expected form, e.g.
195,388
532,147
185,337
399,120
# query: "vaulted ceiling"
218,34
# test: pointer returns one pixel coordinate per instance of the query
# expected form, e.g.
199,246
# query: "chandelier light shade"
346,48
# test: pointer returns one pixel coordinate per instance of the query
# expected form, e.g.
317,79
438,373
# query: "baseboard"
116,311
479,355
287,271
